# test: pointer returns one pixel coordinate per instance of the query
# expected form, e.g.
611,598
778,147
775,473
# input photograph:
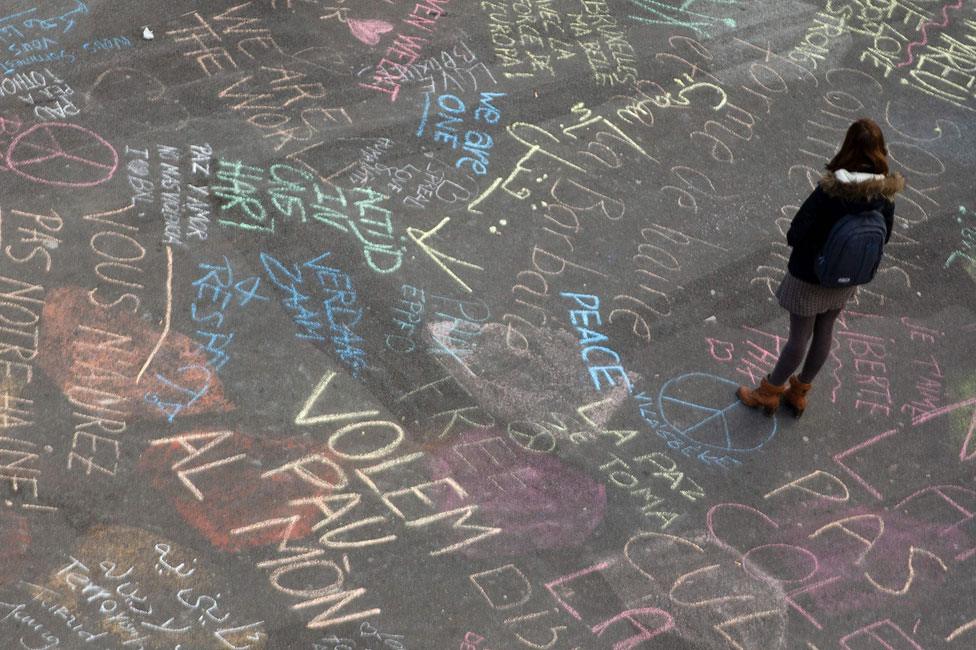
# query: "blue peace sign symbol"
704,409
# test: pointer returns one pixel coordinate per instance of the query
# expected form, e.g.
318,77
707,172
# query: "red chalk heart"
368,31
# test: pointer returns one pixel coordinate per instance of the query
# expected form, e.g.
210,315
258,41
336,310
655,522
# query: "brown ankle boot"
796,396
766,396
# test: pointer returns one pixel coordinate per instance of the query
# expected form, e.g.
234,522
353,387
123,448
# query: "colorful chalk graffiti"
375,325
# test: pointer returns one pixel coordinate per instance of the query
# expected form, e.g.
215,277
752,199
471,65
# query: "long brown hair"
863,150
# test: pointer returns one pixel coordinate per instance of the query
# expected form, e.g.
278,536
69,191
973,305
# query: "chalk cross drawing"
713,417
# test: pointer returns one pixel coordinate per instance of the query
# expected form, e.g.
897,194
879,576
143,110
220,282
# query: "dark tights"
802,328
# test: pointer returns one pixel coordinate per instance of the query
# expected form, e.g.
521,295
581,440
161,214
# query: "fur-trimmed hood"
858,186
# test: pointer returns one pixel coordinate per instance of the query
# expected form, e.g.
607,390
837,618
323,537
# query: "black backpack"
853,250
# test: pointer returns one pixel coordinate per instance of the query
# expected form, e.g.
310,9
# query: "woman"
857,180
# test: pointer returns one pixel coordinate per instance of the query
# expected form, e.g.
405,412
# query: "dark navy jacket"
830,201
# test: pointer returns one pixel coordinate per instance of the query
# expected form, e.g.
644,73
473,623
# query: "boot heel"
794,410
769,411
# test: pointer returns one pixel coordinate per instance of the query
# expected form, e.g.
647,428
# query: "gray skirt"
805,299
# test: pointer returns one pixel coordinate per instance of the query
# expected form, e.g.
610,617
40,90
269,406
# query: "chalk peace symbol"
704,409
63,155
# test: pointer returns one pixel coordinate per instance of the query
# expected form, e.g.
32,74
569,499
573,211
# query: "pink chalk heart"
532,501
368,31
